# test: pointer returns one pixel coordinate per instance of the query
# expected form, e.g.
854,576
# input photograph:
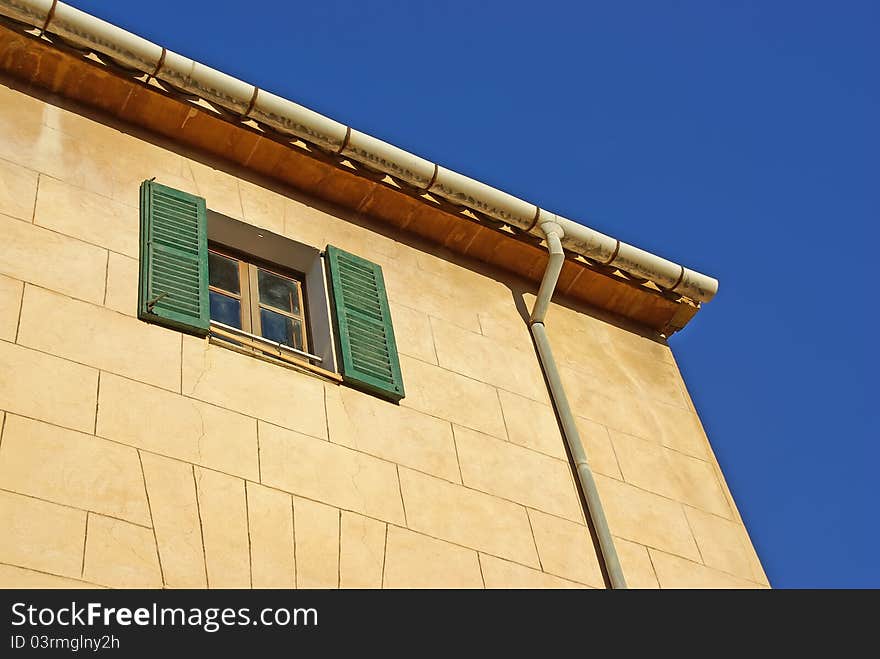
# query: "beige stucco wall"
132,455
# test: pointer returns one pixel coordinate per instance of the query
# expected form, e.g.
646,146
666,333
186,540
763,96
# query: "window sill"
251,349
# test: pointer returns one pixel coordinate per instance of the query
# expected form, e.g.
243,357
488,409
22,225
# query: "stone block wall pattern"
134,456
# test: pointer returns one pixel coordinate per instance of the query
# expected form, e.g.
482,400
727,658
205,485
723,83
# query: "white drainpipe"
595,512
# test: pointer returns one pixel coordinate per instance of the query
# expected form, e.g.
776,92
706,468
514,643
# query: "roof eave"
395,169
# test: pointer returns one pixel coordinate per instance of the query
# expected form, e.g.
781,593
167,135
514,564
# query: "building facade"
138,450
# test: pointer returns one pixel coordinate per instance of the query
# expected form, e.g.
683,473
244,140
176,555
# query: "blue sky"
739,138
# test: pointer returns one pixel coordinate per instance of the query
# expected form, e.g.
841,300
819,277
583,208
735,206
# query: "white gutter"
249,102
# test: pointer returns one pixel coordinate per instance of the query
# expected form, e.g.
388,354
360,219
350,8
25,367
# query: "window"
322,311
257,299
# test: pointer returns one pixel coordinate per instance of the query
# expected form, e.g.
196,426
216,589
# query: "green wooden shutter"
173,287
366,337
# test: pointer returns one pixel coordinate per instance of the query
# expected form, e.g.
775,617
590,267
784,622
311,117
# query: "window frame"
256,304
248,267
243,295
258,244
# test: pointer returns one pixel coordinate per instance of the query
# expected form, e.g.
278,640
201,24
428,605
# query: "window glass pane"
225,309
298,335
223,272
279,292
281,329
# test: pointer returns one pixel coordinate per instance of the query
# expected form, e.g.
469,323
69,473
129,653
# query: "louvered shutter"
173,287
366,337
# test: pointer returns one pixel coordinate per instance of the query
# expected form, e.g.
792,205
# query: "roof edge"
249,102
